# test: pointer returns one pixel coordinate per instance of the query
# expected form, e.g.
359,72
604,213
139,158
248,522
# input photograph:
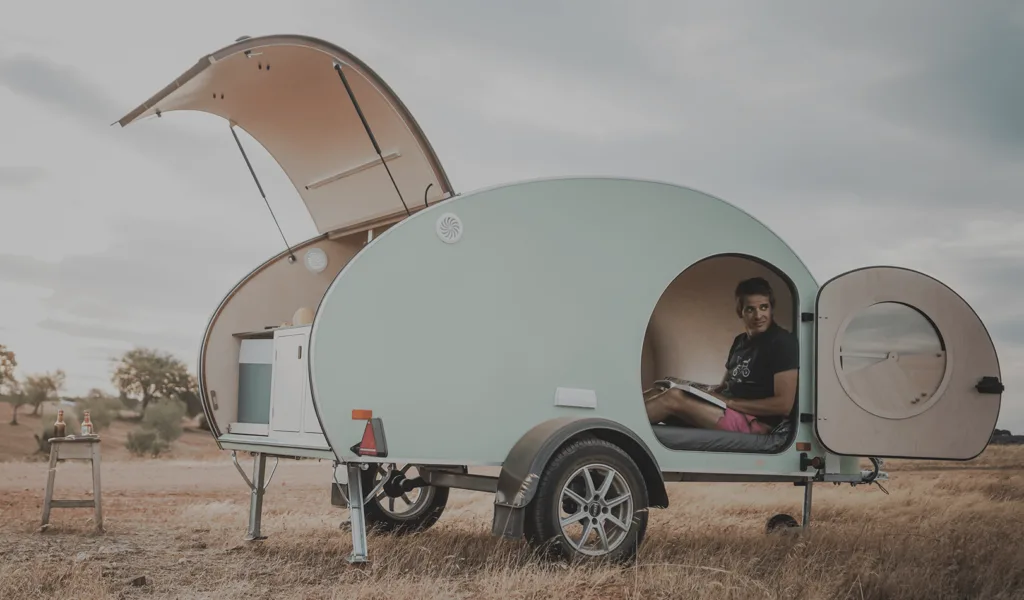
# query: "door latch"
990,385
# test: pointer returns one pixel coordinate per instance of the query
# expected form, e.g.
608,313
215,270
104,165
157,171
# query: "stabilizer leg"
807,504
357,515
257,487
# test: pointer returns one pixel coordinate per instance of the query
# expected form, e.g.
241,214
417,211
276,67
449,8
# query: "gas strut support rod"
425,193
366,126
291,256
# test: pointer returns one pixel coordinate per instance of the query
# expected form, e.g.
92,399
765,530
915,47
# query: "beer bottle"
60,428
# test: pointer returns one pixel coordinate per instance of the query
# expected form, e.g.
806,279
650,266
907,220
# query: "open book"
699,390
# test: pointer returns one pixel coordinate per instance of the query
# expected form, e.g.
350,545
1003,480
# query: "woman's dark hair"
755,286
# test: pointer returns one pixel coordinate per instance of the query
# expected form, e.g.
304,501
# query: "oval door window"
891,360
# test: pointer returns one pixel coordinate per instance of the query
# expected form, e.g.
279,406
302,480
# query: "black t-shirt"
754,361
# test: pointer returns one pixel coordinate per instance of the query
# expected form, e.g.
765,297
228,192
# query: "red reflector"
803,446
369,444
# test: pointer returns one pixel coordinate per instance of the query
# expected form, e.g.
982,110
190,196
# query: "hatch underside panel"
286,93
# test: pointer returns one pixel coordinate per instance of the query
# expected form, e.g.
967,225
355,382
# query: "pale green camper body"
459,347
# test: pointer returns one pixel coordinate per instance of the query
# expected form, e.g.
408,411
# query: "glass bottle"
60,428
86,425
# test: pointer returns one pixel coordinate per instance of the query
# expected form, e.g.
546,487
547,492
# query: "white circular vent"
449,228
316,260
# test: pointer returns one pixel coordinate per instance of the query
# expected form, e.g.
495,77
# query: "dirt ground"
174,529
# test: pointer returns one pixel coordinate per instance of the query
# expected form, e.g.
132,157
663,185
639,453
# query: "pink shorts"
743,423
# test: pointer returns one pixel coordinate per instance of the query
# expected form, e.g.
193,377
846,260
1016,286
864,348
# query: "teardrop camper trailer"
518,328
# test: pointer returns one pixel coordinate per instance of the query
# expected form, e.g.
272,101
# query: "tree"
103,408
190,396
43,387
7,364
10,388
144,375
13,394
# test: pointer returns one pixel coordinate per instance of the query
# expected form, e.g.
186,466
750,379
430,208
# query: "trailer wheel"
591,503
393,509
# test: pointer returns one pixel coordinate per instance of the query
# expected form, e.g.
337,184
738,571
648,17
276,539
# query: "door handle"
300,351
990,385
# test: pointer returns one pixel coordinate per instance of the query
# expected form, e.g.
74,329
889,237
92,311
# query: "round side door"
904,368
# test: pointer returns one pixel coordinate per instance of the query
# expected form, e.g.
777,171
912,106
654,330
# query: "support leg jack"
783,522
357,515
257,488
807,504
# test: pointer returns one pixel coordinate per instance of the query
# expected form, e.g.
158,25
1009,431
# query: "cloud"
191,148
972,88
131,337
151,267
862,134
28,270
60,86
1009,330
20,177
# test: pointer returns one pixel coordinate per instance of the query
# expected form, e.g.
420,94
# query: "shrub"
143,442
103,410
160,426
46,431
164,417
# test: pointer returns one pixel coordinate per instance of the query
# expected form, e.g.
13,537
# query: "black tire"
423,513
543,513
781,522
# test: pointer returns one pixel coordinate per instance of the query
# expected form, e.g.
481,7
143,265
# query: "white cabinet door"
310,424
288,382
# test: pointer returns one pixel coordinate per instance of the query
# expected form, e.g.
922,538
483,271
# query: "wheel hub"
393,486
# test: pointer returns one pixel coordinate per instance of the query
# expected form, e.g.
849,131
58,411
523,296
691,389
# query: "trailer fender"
520,473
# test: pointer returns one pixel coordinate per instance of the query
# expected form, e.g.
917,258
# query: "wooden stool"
83,448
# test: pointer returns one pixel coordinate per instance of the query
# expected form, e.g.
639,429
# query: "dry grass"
952,533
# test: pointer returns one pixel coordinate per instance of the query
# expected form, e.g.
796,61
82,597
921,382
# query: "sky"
895,129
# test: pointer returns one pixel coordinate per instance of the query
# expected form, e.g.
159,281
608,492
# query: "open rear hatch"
351,148
904,368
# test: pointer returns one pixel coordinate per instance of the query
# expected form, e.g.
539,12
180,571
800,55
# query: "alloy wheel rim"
595,509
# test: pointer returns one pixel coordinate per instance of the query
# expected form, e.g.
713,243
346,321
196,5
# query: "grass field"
945,530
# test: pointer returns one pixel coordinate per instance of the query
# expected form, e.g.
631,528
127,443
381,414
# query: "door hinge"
990,385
